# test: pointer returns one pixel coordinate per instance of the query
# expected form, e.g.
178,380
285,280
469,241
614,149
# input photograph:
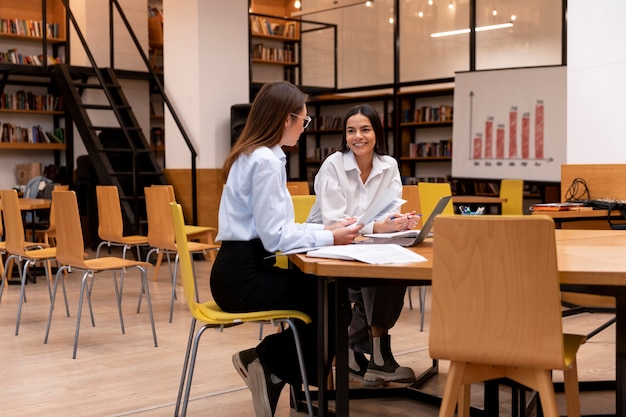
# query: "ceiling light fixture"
332,7
297,4
478,29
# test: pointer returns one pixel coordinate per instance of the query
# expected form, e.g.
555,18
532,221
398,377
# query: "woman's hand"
397,223
346,235
347,221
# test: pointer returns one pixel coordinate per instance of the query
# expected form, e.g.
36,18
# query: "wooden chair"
211,316
513,191
18,250
48,234
161,233
496,308
70,253
110,223
298,187
204,234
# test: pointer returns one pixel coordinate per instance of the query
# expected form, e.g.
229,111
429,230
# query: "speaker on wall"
238,117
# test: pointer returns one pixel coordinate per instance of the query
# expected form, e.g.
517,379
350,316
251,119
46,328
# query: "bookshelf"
425,135
274,49
33,37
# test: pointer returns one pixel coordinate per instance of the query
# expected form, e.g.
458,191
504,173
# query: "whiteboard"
510,123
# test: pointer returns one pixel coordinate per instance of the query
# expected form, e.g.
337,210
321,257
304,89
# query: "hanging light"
334,6
297,4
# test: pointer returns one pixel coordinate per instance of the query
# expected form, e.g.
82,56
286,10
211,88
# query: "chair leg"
305,381
83,289
452,389
422,294
146,289
60,275
408,290
192,364
22,294
118,298
572,394
157,266
181,386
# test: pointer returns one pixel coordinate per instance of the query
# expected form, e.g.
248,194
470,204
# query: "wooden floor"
125,375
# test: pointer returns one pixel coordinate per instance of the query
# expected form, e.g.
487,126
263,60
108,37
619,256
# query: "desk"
598,217
589,261
475,201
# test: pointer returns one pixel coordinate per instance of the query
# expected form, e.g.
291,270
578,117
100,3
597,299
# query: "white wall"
596,82
206,71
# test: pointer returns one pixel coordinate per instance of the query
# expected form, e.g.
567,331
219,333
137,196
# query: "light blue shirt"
256,204
341,193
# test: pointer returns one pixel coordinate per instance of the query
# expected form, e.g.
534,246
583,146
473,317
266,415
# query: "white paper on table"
377,209
370,253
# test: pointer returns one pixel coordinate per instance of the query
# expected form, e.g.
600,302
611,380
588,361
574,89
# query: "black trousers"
242,281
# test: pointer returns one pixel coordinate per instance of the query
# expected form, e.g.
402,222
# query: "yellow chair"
298,187
211,316
70,253
513,191
301,206
161,233
110,223
496,308
19,250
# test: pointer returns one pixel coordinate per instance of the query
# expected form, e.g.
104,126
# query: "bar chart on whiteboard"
510,124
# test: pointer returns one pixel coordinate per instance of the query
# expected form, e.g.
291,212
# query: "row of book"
443,148
33,28
428,114
319,154
26,100
414,180
13,57
10,133
286,54
262,26
335,122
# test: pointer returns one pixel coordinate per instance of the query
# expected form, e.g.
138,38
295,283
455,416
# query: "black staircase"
118,149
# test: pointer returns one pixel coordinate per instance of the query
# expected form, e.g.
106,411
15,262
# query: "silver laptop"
423,233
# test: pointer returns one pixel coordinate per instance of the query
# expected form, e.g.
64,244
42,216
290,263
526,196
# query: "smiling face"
294,126
360,136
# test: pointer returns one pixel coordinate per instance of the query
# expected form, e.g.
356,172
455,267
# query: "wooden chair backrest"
110,223
160,227
14,227
70,243
411,194
184,256
298,187
52,221
495,293
603,180
155,32
430,193
513,191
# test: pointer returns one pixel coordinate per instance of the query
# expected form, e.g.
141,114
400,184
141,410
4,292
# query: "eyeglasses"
307,119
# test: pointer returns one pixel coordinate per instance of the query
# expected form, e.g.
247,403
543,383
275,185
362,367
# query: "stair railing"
153,78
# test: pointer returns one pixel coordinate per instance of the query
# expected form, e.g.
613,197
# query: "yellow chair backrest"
496,292
302,206
184,259
513,191
429,195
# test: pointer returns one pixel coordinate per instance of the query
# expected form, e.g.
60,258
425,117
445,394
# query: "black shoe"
357,367
383,366
265,389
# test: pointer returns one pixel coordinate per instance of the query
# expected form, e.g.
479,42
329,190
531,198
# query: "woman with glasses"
359,174
256,219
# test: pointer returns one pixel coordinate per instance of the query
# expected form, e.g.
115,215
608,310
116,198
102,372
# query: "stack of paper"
371,253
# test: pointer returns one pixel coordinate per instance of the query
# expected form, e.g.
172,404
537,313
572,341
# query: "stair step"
117,128
96,86
98,106
125,150
130,173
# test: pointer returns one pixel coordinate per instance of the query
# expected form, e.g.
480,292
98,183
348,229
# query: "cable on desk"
577,191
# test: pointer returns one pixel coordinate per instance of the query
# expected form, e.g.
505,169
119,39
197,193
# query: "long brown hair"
266,121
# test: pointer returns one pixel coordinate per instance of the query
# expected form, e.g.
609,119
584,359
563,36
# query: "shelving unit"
425,135
324,134
274,49
33,37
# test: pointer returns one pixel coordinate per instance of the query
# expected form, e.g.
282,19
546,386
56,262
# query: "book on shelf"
555,206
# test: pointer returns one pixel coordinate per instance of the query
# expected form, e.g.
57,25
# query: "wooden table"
475,201
589,261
